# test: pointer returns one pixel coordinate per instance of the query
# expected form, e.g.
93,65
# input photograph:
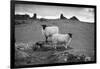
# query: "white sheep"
48,31
62,38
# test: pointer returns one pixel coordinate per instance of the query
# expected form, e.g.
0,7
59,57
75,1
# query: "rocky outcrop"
62,16
74,18
34,16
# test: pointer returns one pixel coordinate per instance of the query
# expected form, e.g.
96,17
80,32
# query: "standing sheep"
48,31
62,38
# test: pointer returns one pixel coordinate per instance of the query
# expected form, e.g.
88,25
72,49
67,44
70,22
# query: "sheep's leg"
54,45
46,39
66,46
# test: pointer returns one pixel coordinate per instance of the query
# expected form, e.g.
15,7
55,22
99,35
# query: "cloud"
86,14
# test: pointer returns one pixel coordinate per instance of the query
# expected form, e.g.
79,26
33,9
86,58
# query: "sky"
53,12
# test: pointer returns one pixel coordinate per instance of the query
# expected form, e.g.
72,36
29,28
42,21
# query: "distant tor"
74,18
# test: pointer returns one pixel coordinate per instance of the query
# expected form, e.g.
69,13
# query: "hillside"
82,38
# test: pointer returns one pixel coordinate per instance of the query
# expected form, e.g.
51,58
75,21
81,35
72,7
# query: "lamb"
48,31
62,38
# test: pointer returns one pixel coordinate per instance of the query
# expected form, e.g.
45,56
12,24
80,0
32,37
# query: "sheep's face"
70,34
44,26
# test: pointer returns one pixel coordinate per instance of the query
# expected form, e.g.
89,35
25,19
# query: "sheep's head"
70,34
44,26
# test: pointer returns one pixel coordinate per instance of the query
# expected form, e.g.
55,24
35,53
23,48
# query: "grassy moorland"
29,31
